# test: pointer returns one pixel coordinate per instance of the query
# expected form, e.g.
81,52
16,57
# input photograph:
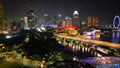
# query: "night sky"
105,10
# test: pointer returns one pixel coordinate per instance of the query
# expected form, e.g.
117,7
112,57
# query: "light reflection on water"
113,37
116,37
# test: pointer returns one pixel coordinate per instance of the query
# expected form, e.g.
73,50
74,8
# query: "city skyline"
104,10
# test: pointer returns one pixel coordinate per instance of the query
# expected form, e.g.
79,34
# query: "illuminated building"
83,25
95,22
1,15
25,22
47,19
21,23
7,24
92,22
59,20
61,23
68,21
32,18
76,20
1,8
89,21
4,24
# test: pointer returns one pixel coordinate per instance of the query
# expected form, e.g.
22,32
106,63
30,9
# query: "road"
108,44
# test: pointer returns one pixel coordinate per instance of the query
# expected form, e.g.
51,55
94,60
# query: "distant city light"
75,13
48,25
68,17
45,15
8,36
59,15
42,28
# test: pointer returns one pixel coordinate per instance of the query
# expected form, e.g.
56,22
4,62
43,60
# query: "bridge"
103,43
93,47
89,45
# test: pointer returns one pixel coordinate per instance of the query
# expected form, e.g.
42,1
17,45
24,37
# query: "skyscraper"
68,21
32,18
1,8
95,22
76,20
92,22
1,15
47,19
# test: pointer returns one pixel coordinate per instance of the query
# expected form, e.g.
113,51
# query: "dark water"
116,37
113,37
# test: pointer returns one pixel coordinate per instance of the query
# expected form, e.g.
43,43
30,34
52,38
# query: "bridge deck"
113,45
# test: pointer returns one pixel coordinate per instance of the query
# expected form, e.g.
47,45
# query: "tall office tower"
59,20
1,15
22,23
32,18
47,19
61,23
92,22
95,22
76,20
68,21
1,8
25,22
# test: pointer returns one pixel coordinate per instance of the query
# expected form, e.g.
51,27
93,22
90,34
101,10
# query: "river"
113,37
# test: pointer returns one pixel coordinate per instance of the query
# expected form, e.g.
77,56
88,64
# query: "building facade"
92,22
1,8
76,19
1,15
68,21
31,19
